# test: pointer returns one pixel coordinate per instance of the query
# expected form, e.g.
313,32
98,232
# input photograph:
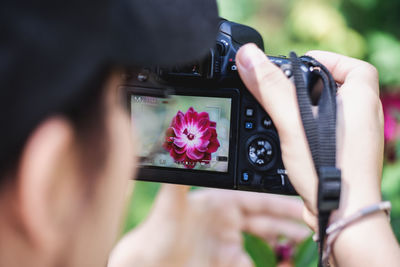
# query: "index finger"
345,68
252,203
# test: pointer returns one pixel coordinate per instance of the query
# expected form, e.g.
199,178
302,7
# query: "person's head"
66,148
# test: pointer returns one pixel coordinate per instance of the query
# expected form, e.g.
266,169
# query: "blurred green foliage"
391,191
259,251
365,29
140,203
306,254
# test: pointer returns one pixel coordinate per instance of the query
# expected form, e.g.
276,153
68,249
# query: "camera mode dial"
260,152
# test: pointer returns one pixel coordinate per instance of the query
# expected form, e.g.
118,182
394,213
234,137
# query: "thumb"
277,96
269,86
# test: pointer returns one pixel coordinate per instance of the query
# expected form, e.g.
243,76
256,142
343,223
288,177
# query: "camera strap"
321,136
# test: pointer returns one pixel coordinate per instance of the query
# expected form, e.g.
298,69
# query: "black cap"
50,50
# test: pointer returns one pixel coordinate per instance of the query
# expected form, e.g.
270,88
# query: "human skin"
57,211
371,241
53,214
64,208
360,125
204,228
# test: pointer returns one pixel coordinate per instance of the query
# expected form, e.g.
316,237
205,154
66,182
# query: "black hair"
86,113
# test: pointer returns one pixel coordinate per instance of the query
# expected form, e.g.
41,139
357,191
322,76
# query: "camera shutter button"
287,70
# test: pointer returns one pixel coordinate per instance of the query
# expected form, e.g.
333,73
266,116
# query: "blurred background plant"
365,29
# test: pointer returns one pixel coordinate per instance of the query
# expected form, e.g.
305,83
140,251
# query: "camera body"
198,124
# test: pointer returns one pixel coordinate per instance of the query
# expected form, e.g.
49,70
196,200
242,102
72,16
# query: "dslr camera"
198,124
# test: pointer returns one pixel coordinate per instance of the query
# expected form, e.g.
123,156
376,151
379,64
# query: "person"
369,242
360,125
66,149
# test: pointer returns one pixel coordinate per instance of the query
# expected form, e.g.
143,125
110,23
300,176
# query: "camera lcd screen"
184,132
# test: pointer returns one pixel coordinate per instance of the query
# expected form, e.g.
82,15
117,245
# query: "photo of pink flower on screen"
191,138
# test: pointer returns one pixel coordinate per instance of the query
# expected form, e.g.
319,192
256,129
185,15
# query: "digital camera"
198,124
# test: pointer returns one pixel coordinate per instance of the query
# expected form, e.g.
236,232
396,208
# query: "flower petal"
206,135
203,115
177,132
203,124
176,156
203,146
180,150
190,116
180,142
213,146
178,121
194,154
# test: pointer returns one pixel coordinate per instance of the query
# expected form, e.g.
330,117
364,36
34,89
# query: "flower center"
190,136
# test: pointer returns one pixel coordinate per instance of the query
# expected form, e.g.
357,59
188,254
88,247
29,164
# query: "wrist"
355,196
130,250
370,233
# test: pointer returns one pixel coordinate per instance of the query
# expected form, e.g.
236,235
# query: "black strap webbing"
321,137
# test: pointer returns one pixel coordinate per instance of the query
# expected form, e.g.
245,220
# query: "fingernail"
251,56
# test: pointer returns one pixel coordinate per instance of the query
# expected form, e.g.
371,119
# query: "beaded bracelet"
335,228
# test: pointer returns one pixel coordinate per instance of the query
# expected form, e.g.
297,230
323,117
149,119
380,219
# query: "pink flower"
391,111
284,251
191,138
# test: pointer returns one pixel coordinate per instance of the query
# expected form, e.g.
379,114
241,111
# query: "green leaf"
261,253
306,254
140,203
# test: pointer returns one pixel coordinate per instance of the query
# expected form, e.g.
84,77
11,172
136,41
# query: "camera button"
267,123
260,152
249,112
232,66
248,125
246,176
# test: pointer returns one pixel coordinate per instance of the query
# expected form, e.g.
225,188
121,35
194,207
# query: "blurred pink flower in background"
391,111
191,138
284,252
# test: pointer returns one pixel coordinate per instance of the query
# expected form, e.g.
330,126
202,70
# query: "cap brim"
52,53
163,32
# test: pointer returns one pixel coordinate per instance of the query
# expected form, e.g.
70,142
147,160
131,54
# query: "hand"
204,228
359,148
360,141
359,125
